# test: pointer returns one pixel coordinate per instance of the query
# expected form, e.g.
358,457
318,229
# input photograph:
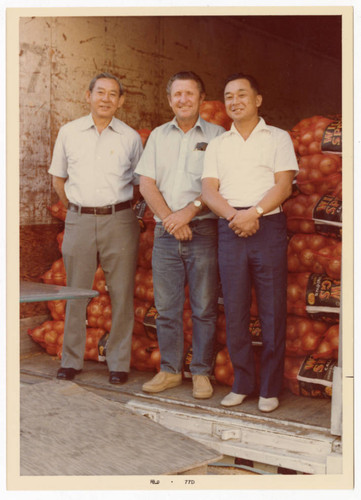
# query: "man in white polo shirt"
93,174
248,173
185,236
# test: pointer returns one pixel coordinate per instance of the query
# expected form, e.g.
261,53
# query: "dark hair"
186,75
241,76
106,75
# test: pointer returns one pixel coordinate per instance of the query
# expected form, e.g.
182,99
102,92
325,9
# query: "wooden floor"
67,430
36,366
302,424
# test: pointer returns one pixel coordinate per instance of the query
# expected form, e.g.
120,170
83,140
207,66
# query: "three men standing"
93,174
185,236
247,173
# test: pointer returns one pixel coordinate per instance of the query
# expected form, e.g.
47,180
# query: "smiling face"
104,99
185,99
241,101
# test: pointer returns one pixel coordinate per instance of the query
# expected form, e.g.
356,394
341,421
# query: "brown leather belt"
106,210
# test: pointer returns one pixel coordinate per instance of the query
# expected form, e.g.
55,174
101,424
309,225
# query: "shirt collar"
261,125
88,122
114,124
199,124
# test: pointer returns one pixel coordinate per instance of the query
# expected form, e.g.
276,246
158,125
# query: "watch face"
259,210
197,203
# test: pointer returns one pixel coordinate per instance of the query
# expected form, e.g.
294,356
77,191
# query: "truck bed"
296,436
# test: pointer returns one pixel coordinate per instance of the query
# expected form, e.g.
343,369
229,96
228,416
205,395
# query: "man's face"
241,100
185,100
104,99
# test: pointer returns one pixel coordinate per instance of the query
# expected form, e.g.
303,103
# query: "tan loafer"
268,404
233,399
162,381
202,388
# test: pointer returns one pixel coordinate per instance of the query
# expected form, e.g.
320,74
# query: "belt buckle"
95,211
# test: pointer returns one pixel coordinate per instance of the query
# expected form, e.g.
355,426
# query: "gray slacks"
115,238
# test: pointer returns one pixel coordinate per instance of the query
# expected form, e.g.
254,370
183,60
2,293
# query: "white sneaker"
268,404
233,399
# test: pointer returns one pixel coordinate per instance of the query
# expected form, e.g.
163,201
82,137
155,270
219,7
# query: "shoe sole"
228,405
62,377
120,382
268,410
161,388
202,396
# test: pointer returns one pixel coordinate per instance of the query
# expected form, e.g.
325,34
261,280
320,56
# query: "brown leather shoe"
118,377
162,381
202,388
67,373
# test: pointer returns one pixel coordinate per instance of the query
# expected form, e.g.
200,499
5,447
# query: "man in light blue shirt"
185,236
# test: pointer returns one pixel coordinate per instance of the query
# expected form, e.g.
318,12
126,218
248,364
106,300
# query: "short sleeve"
137,154
210,164
285,154
59,164
146,164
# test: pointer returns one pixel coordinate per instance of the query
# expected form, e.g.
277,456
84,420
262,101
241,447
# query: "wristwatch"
259,210
197,204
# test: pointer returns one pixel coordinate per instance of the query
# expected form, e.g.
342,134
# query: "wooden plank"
295,409
309,432
229,471
67,430
336,413
202,470
283,444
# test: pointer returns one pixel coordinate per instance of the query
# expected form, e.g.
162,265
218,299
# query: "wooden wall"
59,56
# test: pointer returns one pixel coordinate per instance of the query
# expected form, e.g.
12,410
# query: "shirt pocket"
117,163
77,153
195,163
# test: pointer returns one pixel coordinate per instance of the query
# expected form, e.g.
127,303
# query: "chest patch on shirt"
201,146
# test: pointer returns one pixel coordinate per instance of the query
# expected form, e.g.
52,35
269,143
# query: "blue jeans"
176,263
260,259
